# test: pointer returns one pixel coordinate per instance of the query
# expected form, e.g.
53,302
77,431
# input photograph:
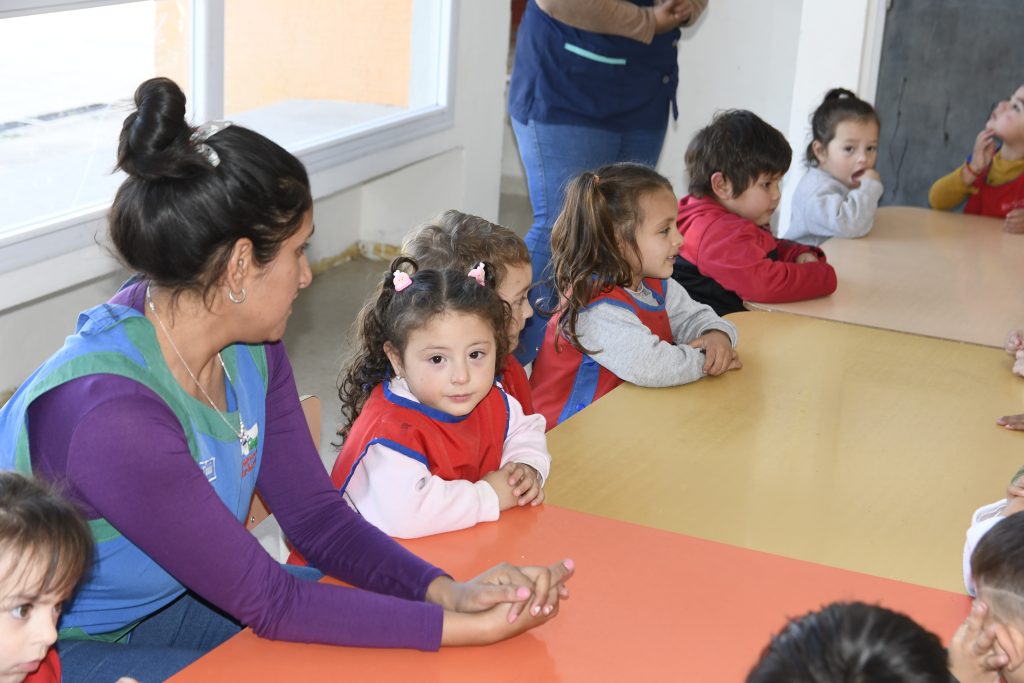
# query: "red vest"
517,384
566,381
48,671
996,200
450,447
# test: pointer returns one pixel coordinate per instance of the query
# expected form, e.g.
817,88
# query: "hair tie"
597,179
478,274
401,280
203,133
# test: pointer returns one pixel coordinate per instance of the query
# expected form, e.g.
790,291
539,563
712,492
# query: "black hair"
998,564
41,530
839,105
178,214
852,642
739,145
390,316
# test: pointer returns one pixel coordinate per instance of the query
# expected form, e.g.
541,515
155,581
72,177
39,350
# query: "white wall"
460,167
776,59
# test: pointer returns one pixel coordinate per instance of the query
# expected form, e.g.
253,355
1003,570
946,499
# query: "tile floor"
319,331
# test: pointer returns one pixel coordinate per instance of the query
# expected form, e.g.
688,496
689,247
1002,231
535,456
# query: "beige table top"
927,272
854,447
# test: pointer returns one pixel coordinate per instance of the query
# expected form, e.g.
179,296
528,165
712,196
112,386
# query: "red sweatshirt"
746,258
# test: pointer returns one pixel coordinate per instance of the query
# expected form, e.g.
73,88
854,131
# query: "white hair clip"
203,133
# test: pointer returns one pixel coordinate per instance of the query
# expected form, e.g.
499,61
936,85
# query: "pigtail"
369,365
597,224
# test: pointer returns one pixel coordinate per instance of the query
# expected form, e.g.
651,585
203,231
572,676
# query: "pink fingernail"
569,564
522,592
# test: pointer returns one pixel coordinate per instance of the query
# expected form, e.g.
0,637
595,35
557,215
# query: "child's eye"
22,611
476,355
872,148
847,149
303,248
436,360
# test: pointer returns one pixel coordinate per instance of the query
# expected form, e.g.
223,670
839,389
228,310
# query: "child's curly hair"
390,316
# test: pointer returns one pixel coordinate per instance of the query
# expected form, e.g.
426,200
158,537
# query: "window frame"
56,253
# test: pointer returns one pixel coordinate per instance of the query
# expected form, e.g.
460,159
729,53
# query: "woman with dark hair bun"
173,401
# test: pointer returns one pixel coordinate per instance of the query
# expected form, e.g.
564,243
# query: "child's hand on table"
499,481
1014,221
1014,342
807,257
719,355
525,483
1015,422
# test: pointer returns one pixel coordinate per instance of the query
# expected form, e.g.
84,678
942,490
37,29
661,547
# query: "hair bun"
154,138
839,94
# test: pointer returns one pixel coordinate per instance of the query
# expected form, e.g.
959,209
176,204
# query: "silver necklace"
240,432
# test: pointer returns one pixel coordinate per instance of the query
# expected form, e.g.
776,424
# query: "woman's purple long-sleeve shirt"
119,453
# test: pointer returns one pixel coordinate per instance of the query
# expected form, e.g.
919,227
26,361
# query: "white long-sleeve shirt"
823,207
400,496
982,521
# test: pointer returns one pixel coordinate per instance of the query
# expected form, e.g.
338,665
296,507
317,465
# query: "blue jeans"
552,155
161,645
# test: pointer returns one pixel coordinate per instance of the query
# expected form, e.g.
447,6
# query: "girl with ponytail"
622,318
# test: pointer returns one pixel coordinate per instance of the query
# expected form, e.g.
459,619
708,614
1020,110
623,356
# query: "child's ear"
721,186
395,358
819,150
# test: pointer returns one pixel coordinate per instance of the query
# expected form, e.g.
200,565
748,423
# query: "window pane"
307,71
67,84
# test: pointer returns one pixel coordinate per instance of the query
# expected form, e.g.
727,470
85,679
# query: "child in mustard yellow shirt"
992,178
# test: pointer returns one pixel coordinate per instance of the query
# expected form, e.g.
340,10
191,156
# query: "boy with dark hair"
729,254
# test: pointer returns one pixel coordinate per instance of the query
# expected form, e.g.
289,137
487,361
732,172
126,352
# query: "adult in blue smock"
593,83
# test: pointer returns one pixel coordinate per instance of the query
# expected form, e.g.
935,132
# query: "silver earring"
241,297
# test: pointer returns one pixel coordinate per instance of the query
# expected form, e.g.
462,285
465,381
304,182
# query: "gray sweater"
628,348
823,207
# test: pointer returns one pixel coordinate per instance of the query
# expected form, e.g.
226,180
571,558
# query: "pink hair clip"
401,280
477,273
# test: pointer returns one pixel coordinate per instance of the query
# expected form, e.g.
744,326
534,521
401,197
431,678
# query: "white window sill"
40,258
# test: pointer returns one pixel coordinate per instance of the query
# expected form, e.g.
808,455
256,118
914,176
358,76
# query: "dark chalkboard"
945,63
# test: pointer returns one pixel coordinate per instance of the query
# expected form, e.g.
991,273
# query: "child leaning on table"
992,177
433,443
839,194
620,318
729,253
458,241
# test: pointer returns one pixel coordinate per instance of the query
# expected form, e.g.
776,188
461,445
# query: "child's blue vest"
125,585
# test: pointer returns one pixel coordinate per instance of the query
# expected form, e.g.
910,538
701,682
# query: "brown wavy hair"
598,222
40,530
390,316
460,240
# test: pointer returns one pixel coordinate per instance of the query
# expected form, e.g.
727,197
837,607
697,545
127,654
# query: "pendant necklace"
240,432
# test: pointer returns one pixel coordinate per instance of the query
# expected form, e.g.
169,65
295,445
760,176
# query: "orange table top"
933,273
646,605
